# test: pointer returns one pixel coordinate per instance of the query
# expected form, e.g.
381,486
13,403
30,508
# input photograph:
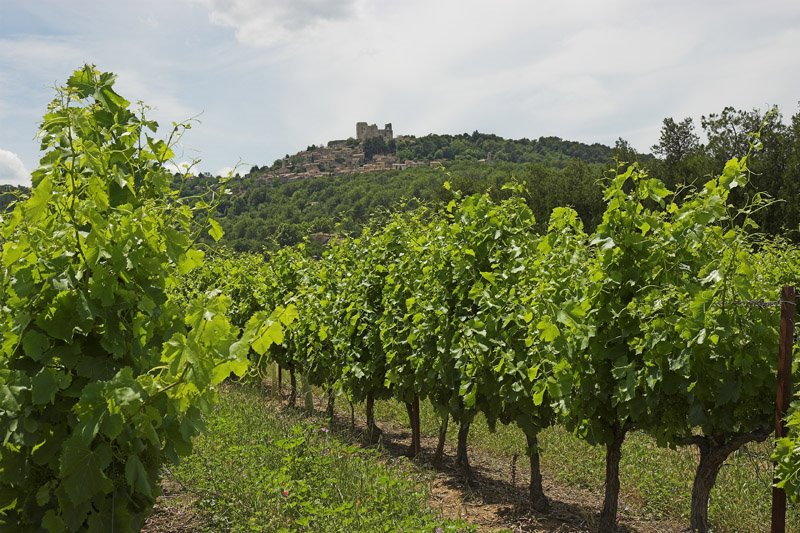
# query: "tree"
623,152
8,195
374,146
678,140
730,133
789,211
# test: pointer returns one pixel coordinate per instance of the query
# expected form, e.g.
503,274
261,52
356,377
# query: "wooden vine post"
783,396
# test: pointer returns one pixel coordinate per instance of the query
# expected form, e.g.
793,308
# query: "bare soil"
175,510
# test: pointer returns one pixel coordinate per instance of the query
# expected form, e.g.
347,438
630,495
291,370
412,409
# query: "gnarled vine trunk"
413,417
608,516
711,460
437,457
714,451
538,499
462,457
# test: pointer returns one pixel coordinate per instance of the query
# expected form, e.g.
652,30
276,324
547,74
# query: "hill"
266,209
9,193
340,187
263,213
374,150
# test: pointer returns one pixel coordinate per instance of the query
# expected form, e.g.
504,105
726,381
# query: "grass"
256,470
656,482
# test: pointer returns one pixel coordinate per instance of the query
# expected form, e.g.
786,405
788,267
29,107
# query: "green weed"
255,470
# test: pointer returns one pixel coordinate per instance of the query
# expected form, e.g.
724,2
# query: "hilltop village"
372,149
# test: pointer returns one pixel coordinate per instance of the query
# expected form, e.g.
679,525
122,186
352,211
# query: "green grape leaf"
34,344
288,314
538,396
67,314
215,231
190,260
548,331
137,477
36,206
46,384
53,523
82,470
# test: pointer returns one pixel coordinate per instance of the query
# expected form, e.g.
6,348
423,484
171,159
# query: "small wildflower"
439,530
285,493
324,429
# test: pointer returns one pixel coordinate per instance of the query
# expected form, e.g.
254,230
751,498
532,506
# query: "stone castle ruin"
366,131
339,157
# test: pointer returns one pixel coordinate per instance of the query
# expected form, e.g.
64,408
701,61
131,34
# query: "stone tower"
361,130
366,131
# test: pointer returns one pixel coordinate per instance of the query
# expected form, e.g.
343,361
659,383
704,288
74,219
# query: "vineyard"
117,328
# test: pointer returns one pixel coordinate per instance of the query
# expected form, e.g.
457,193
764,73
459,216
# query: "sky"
266,78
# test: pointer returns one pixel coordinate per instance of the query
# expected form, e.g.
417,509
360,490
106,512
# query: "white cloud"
273,76
12,170
581,70
159,94
268,22
182,167
31,52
